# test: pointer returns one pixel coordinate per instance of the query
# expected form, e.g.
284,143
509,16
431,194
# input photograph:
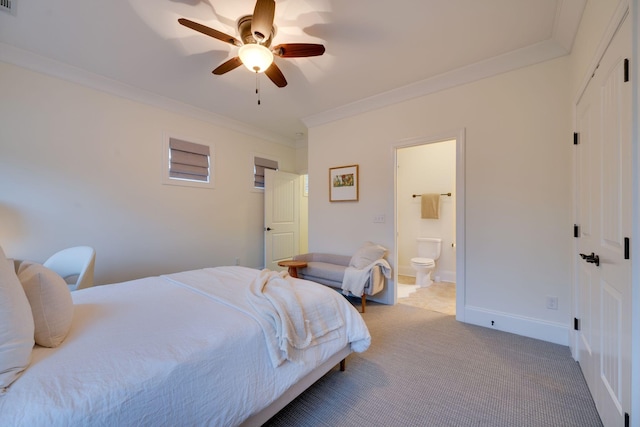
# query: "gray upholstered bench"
329,269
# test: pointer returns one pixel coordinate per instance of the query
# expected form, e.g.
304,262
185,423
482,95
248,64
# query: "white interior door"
603,214
281,217
586,196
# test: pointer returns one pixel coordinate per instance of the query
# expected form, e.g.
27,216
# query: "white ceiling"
377,52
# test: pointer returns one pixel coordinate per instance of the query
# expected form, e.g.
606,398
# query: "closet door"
603,211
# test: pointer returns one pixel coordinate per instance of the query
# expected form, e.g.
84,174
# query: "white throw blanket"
292,313
355,279
297,325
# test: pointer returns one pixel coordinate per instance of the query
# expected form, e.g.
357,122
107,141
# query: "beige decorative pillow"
367,254
50,301
16,325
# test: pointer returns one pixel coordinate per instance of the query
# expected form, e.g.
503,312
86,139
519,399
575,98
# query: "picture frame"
344,184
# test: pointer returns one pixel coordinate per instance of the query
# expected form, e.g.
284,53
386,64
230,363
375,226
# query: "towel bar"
442,194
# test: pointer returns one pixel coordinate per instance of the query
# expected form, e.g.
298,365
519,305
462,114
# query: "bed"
204,347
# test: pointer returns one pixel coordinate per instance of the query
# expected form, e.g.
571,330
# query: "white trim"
164,169
41,64
557,333
635,240
445,275
567,21
534,54
461,275
406,270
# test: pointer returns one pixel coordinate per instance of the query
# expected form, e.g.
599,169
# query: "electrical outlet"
552,303
378,218
237,261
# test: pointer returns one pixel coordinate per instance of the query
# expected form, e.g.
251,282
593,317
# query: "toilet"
428,252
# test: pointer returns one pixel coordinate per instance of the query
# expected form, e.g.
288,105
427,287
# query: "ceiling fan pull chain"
258,87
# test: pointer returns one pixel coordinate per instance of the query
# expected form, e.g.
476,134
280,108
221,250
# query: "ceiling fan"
256,33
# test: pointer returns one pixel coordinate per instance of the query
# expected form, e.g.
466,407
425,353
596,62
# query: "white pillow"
16,325
50,301
367,254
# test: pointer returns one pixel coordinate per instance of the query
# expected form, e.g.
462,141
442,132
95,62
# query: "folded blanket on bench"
355,279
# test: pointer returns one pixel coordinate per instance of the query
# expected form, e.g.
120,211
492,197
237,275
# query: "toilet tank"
429,247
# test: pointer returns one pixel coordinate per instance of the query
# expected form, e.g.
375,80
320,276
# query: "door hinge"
576,139
626,248
576,324
576,230
627,420
626,70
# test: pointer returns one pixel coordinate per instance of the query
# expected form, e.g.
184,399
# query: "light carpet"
426,369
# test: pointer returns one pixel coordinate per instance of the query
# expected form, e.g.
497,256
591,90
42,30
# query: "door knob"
268,229
592,258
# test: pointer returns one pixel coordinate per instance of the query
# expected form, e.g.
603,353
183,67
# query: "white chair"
75,265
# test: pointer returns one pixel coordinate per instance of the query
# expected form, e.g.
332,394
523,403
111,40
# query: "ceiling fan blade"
262,20
298,50
210,32
225,67
275,75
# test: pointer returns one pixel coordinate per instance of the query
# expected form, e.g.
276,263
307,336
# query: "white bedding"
167,351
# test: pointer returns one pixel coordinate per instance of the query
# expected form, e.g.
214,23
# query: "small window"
187,163
259,165
305,185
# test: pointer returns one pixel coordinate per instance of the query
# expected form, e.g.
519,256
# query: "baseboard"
445,276
406,270
554,332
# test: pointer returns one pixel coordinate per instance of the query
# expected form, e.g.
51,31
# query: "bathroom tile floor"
440,296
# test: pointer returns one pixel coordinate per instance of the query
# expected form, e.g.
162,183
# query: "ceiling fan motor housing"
246,36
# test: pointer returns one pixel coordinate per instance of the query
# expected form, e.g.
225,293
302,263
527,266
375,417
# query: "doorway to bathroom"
430,168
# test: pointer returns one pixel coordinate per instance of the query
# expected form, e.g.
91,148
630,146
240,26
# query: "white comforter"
182,349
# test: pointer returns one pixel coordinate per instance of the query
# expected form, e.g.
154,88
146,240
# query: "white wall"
427,168
518,190
79,166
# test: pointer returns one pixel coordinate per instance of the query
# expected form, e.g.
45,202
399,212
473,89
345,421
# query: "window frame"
166,165
253,166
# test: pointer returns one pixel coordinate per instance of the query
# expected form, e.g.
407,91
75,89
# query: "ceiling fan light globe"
255,57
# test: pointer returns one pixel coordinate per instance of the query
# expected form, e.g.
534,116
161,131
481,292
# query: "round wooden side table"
293,266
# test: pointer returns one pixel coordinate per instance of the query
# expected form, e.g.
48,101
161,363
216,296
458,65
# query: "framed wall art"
343,184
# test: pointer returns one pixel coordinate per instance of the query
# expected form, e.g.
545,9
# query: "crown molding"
41,64
566,23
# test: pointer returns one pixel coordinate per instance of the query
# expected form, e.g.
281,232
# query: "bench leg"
364,302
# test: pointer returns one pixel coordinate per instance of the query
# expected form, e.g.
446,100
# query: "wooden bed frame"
295,390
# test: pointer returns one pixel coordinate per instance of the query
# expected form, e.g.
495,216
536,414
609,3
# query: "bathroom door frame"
459,136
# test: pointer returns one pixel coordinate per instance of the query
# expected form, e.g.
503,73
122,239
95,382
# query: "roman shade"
259,165
188,160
